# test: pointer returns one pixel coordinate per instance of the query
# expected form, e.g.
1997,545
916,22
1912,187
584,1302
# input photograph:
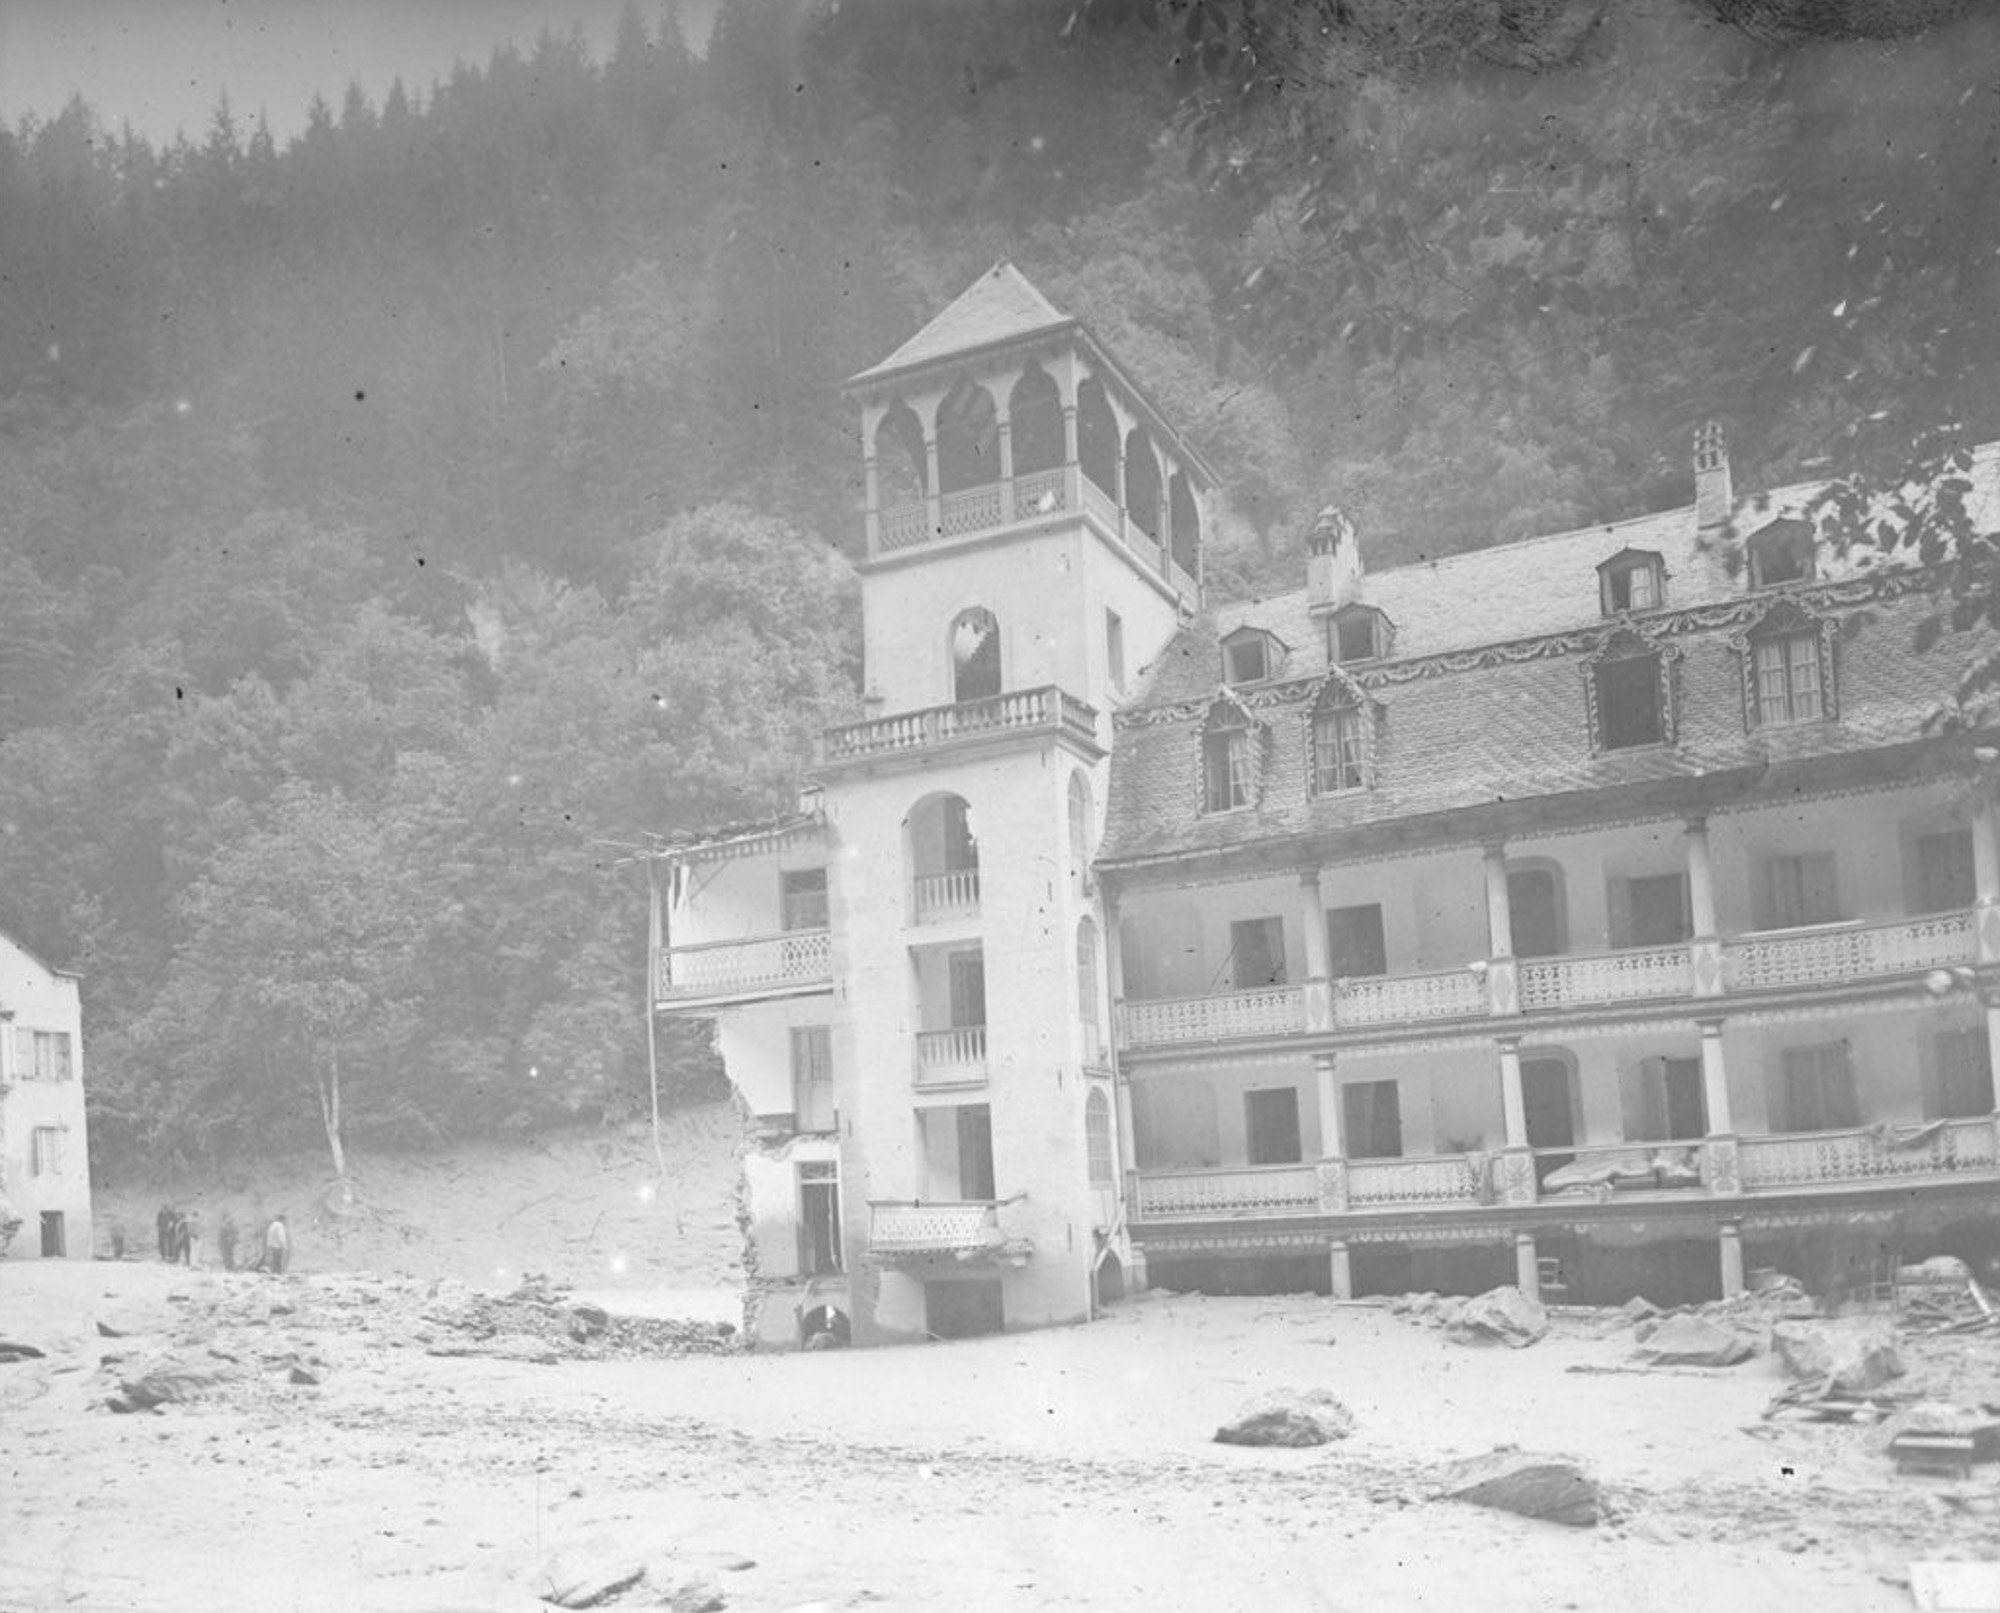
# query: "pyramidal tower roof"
1000,306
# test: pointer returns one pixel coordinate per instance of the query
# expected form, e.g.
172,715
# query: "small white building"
44,1149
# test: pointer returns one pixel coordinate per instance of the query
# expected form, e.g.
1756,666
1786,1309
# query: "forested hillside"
397,526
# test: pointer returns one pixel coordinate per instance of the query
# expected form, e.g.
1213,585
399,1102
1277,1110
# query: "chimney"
1333,559
1714,503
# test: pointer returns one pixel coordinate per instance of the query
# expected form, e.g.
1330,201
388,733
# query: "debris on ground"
1551,1487
11,1352
1854,1354
1288,1417
1499,1316
597,1573
1689,1341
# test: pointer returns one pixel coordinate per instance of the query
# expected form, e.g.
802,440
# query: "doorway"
1551,1121
962,1308
1271,1126
55,1242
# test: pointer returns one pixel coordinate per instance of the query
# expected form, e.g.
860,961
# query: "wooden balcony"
1023,713
963,1231
1416,1180
938,898
952,1058
1202,1195
790,964
1870,1153
1769,961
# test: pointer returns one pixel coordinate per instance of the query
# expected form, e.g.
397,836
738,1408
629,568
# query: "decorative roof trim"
1725,616
748,842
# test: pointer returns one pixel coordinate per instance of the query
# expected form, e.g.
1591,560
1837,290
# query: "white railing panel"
797,957
1423,1179
1779,958
1244,1190
1862,1153
905,527
1391,999
973,510
1604,977
1042,492
1268,1011
926,1228
953,894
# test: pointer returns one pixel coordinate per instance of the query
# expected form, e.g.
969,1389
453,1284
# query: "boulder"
587,1576
1638,1308
1499,1316
1689,1341
681,1589
170,1385
1853,1354
1290,1417
1549,1487
11,1351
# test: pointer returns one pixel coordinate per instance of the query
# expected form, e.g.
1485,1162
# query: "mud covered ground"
448,1447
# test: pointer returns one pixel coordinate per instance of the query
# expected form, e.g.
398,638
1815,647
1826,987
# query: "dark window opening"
1257,953
802,899
1634,585
1372,1117
1799,890
975,656
1535,913
1945,878
819,1218
1225,769
965,976
1818,1089
1654,912
1783,554
1964,1076
975,1152
1676,1106
812,1078
964,1309
1354,942
55,1236
1358,636
1114,650
1271,1126
1551,1120
1249,658
1337,762
1628,703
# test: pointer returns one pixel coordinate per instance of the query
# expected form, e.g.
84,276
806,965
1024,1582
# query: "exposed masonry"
1743,616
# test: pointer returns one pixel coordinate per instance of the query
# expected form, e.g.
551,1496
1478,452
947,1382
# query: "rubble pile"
1502,1315
536,1323
1288,1417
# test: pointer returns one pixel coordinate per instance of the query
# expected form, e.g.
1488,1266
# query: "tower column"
1072,460
1501,997
933,494
1319,965
1705,946
1006,460
871,482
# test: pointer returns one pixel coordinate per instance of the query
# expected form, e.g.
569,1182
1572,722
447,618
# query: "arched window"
1097,1138
1187,524
1079,830
975,655
1097,437
1088,1012
968,438
1142,484
943,859
1035,421
899,459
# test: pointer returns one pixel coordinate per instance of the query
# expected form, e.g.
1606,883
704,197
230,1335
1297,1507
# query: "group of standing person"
180,1231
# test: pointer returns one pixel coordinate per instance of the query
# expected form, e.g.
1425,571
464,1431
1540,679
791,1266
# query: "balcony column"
1006,462
1319,960
1332,1121
1705,946
1072,459
1501,997
1986,881
1527,1265
933,494
1729,1239
1342,1269
1122,1086
873,498
1114,962
1719,1167
1517,1162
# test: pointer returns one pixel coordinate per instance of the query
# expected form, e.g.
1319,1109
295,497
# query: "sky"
162,65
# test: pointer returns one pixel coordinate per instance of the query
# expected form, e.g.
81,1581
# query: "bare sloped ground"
587,1206
1064,1469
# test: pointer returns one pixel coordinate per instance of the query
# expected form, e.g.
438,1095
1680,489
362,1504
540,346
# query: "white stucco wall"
42,1000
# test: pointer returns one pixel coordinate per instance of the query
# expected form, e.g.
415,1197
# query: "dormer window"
1782,552
1630,581
1630,694
1358,633
1787,668
1342,728
1250,655
1229,757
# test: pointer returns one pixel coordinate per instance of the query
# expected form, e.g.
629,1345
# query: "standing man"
164,1223
277,1245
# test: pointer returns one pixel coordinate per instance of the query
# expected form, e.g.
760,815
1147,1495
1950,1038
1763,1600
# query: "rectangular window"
812,1077
1249,658
45,1151
1676,1106
1355,637
1114,650
1788,681
1631,587
1337,751
1945,880
1226,770
1818,1089
819,1218
1964,1076
42,1055
965,979
1650,911
1799,890
1257,953
1271,1126
1628,703
975,1152
1354,942
1373,1118
802,899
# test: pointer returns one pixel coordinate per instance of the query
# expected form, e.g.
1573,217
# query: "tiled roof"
999,306
1462,722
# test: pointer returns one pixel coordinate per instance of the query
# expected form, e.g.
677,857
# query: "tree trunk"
329,1113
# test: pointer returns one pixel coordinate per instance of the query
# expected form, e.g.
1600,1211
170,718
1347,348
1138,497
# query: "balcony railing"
951,1057
1861,1153
952,894
917,1230
1244,1190
1019,712
1604,977
1415,1180
1041,492
1775,959
905,527
1267,1011
796,959
1394,999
